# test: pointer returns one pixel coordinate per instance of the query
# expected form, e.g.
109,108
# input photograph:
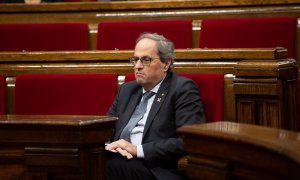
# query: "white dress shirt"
137,132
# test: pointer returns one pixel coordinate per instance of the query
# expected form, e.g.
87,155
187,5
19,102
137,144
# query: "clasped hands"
122,147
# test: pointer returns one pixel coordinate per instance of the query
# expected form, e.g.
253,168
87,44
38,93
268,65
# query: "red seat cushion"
211,91
44,37
76,94
123,35
249,33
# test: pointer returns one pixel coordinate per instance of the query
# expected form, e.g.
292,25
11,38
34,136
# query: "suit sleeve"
114,106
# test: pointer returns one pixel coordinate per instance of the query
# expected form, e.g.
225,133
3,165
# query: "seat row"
92,94
215,33
259,84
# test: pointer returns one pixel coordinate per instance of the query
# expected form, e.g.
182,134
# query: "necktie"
136,116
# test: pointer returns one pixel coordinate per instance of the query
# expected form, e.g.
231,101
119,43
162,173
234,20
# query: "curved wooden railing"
227,150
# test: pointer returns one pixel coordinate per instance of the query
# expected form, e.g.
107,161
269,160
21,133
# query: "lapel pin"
158,99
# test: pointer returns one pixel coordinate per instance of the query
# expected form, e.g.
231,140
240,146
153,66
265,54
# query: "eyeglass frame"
134,59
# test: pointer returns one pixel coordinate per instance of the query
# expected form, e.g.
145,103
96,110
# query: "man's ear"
167,64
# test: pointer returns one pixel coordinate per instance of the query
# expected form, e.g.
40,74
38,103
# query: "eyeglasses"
145,60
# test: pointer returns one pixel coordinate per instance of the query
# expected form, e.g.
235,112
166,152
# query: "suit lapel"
158,101
134,100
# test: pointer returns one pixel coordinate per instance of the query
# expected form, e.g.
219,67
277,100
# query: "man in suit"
152,147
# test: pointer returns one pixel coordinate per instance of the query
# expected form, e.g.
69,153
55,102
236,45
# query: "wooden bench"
259,84
95,12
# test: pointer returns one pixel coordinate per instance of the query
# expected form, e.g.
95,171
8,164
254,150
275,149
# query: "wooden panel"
229,98
260,111
56,147
269,96
246,111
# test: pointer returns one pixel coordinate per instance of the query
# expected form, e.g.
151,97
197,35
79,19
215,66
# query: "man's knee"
121,168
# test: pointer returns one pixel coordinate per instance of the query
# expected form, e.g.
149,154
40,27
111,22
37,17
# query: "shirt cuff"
139,151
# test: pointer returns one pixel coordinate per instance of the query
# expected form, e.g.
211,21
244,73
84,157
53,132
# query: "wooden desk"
227,150
54,147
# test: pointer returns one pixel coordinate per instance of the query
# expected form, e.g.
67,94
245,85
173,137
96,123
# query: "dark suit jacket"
176,103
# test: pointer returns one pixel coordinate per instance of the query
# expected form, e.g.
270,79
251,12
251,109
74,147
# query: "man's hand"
122,147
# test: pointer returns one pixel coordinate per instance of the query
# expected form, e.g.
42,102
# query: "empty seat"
249,33
44,37
122,35
211,91
75,94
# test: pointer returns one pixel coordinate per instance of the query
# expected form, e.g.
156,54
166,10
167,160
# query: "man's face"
149,75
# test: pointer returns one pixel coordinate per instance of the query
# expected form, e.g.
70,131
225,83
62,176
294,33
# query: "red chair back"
249,33
44,37
123,35
211,91
75,94
129,77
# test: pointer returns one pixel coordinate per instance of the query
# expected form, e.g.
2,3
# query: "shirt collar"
155,89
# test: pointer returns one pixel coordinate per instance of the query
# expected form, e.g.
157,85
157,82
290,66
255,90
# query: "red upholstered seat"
75,94
122,35
44,37
249,33
2,94
211,91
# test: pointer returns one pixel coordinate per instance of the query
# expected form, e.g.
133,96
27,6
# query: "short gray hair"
165,47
